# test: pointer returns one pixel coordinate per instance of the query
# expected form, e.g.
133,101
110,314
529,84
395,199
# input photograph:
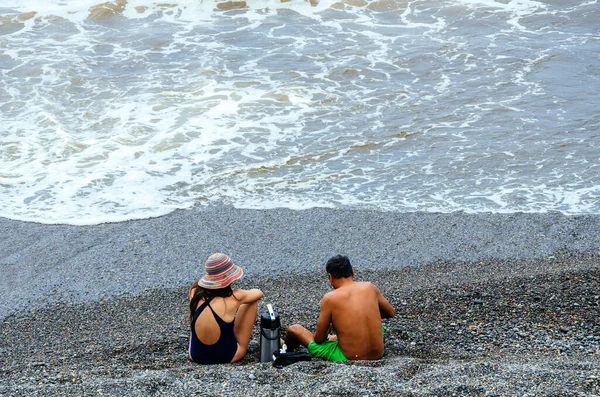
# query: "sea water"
131,109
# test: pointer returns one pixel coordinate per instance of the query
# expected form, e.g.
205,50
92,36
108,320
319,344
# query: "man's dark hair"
339,266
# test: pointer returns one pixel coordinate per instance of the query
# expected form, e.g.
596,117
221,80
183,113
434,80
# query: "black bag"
287,358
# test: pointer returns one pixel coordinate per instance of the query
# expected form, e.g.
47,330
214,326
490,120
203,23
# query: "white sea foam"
124,110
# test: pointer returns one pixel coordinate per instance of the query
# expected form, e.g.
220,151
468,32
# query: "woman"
221,333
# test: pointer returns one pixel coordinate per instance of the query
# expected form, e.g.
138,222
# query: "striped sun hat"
220,272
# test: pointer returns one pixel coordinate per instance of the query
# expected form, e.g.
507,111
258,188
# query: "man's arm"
385,308
324,321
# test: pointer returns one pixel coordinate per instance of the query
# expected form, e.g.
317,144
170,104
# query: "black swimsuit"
218,353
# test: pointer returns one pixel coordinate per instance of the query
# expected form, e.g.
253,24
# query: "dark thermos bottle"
270,332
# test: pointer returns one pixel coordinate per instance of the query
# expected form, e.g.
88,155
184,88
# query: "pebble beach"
486,304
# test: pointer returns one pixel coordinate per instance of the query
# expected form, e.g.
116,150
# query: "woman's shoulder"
247,295
239,292
245,290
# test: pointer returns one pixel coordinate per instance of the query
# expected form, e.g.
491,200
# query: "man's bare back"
354,310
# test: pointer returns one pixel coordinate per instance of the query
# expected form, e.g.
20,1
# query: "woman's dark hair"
207,295
339,266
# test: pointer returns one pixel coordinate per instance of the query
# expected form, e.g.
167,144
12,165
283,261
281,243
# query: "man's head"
339,267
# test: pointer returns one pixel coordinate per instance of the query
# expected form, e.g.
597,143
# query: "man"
354,309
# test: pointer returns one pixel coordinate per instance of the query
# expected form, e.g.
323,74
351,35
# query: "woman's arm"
248,296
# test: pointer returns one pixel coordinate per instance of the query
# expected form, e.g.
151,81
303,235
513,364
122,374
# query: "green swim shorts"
329,350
